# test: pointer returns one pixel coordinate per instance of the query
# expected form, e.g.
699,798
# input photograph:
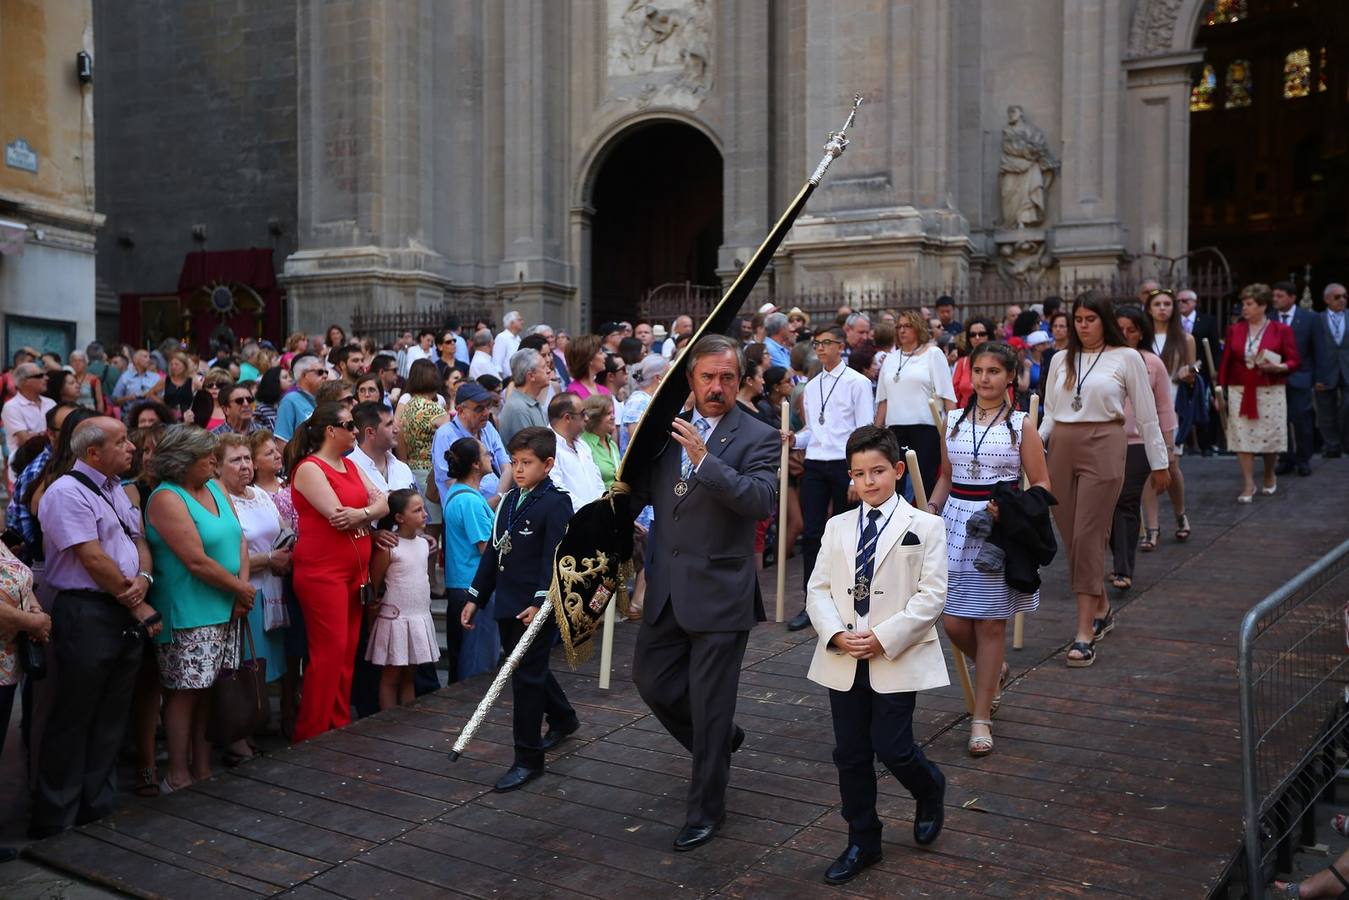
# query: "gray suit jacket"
702,559
1332,360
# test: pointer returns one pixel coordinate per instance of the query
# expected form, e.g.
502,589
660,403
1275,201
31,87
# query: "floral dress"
16,582
415,421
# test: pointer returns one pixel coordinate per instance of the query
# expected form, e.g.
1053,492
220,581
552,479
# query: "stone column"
365,75
883,214
1157,161
749,158
535,276
1088,234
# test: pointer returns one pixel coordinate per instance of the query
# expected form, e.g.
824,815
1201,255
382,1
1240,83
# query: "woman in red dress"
336,505
1257,358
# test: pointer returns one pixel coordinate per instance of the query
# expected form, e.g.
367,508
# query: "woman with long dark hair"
271,386
1137,330
1175,348
336,504
1085,393
585,361
987,444
468,529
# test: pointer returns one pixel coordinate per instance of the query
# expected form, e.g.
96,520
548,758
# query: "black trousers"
869,726
97,666
535,692
690,679
1302,424
1128,514
925,441
1332,416
824,484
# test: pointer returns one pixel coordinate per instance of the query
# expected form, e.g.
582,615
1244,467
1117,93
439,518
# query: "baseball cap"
1036,338
609,328
767,309
471,392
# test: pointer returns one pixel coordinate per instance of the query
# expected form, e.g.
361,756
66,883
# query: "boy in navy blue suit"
519,567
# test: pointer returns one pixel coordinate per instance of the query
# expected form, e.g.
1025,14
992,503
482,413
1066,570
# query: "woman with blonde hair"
179,385
296,343
599,434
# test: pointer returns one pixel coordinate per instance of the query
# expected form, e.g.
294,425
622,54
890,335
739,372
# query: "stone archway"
653,209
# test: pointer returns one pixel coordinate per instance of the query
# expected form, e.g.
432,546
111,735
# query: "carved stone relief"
660,54
1154,27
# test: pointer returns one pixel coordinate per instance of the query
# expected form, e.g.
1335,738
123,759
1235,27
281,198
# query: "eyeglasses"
347,399
243,401
818,344
975,334
449,341
1337,296
348,425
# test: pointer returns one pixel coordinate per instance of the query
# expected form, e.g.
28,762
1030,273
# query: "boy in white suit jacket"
874,598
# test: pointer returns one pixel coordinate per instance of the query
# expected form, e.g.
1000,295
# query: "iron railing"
1293,671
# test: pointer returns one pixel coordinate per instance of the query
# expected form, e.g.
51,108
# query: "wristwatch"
149,579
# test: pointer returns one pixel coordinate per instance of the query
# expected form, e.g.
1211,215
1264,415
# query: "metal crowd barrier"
1293,667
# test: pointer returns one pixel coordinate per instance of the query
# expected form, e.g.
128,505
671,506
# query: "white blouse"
907,381
1105,381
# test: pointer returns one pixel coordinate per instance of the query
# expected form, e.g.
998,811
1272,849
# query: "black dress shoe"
929,816
1303,470
1334,453
1284,467
798,621
737,739
556,736
691,836
8,854
850,865
516,778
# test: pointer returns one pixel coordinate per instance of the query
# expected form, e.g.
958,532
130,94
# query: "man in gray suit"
709,487
1332,372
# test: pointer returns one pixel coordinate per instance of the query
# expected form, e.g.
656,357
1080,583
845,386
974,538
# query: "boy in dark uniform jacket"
519,567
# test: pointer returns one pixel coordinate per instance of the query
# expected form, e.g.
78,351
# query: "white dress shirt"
482,364
503,348
400,474
844,395
908,380
574,471
887,510
414,353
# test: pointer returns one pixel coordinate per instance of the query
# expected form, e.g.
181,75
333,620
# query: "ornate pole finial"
836,143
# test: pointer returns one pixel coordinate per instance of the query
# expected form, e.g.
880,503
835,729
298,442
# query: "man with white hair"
98,565
482,363
1332,373
25,415
1202,326
778,338
532,372
308,372
507,342
856,331
681,326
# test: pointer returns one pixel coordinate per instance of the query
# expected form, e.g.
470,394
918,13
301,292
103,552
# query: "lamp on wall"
84,67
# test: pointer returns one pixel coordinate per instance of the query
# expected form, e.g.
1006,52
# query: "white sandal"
980,745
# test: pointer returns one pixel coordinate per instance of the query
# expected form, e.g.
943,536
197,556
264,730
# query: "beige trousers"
1086,470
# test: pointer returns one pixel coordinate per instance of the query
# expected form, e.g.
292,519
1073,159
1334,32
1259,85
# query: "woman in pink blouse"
585,361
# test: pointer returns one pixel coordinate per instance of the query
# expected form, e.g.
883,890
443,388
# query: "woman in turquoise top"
201,586
468,529
600,436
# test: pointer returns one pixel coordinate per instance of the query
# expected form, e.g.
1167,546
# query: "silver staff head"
836,143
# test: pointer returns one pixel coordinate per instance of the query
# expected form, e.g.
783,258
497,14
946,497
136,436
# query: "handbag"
240,707
274,612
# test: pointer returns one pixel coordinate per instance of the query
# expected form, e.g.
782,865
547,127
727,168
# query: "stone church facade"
461,148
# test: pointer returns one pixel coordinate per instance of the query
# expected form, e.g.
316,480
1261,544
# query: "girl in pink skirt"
403,634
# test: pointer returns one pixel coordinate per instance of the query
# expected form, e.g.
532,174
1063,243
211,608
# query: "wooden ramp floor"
1120,779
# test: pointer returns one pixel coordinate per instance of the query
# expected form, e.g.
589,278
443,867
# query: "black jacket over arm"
1025,533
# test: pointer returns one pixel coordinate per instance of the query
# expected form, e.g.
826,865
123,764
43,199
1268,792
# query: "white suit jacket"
907,598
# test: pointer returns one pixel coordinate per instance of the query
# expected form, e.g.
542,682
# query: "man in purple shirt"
99,565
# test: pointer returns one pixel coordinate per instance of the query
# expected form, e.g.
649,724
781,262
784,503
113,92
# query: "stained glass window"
1238,85
1204,90
1322,74
1297,74
1223,12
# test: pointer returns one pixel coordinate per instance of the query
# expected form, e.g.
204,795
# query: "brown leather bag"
239,706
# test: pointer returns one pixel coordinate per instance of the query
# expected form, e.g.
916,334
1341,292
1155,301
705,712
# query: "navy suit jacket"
522,579
702,552
1305,325
1332,360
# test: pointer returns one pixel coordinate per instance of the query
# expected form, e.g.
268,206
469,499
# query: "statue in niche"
1025,172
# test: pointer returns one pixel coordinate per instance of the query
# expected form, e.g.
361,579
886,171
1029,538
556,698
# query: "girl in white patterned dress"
403,634
987,443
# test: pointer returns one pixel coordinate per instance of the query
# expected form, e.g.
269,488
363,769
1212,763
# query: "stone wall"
197,109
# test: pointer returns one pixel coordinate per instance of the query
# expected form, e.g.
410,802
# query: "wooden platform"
1119,779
